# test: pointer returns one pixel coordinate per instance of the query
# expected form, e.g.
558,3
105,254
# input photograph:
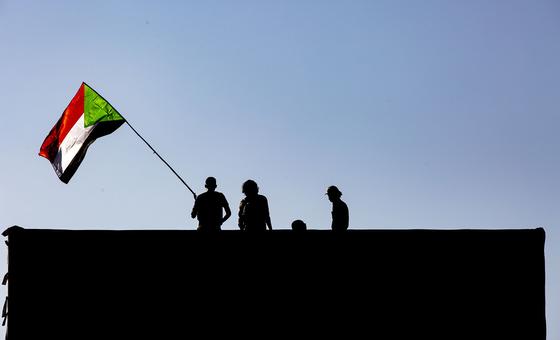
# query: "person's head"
250,188
299,225
210,184
333,193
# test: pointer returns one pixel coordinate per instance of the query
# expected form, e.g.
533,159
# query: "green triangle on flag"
97,109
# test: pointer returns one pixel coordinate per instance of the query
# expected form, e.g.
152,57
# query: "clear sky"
426,114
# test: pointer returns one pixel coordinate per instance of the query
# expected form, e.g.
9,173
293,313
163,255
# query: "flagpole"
163,160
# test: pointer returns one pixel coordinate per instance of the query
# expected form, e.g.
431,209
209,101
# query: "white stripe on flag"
71,145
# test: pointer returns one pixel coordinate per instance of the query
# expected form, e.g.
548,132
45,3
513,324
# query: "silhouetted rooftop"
158,284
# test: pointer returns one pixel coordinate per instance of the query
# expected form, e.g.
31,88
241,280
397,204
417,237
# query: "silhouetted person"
299,225
253,209
339,210
208,207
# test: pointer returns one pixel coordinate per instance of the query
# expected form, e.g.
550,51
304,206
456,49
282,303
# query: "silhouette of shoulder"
211,197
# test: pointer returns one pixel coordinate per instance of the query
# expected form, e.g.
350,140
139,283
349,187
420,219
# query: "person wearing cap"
209,206
254,214
339,211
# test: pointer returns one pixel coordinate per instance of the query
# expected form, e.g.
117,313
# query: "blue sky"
432,114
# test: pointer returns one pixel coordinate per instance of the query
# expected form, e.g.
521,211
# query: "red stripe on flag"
69,117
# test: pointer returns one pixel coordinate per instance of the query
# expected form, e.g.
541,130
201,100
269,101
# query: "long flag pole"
163,160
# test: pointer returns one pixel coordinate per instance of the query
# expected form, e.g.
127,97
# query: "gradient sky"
426,114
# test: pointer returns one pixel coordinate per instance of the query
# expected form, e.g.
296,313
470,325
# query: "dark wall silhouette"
359,284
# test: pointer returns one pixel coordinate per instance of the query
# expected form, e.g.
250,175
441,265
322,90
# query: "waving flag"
87,117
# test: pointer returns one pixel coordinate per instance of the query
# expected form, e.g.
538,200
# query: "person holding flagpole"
209,207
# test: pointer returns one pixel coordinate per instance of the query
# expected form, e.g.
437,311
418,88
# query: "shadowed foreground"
399,284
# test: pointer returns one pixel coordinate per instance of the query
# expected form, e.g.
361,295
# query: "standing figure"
339,211
209,207
253,209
